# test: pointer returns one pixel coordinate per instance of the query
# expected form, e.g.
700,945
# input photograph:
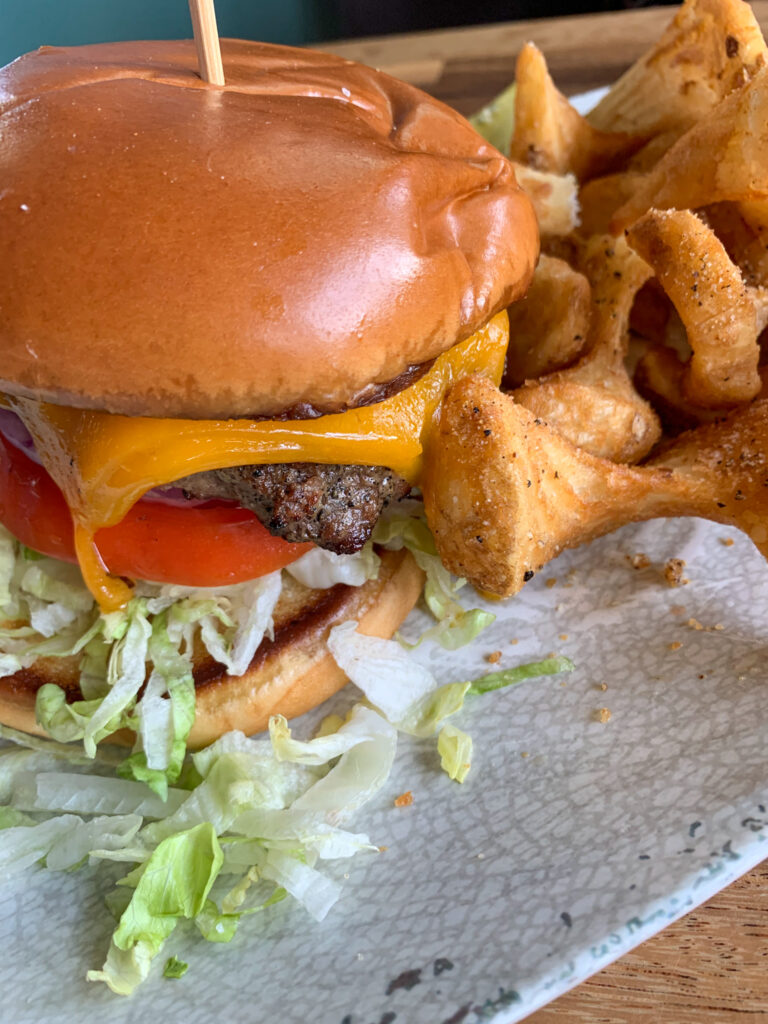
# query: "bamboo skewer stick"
207,41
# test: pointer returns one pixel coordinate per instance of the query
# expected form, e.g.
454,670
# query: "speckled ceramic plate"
571,841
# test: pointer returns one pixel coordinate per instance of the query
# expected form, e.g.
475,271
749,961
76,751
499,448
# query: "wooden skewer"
207,41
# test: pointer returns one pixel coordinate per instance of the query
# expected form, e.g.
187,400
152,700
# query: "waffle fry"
504,493
550,135
659,377
713,302
594,403
672,170
709,48
601,198
722,157
548,329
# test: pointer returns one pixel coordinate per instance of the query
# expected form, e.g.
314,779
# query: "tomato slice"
203,546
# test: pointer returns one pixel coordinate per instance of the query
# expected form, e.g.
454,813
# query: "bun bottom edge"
289,675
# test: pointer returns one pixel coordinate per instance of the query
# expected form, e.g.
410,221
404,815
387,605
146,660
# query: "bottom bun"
288,675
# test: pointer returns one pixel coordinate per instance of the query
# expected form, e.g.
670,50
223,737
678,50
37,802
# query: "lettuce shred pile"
232,829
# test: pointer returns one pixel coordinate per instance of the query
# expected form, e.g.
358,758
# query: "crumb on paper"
674,646
551,581
602,686
603,715
563,636
727,542
524,753
695,624
493,657
673,572
515,641
404,800
639,560
678,609
383,849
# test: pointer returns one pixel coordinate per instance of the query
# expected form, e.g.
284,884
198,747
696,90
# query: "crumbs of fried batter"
639,561
493,657
674,646
603,715
727,542
551,581
673,572
404,800
695,624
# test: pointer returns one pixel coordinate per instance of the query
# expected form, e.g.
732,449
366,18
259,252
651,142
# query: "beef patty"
335,507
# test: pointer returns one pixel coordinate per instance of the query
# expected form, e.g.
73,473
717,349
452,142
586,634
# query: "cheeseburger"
227,320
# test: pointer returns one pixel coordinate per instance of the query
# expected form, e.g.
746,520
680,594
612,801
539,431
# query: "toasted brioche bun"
289,675
171,248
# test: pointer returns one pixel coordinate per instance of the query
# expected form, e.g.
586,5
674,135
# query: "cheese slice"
104,463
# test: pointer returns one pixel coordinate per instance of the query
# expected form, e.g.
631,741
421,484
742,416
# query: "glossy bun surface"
169,248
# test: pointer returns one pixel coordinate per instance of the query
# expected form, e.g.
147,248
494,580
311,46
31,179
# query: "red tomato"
197,547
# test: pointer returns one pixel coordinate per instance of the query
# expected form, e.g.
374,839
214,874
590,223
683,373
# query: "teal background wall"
27,24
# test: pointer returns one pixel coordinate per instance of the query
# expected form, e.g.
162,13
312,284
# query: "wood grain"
712,966
466,67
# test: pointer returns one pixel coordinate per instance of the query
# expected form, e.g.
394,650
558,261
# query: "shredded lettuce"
496,121
174,884
60,791
154,634
233,829
512,676
320,569
175,968
408,695
455,750
136,663
406,526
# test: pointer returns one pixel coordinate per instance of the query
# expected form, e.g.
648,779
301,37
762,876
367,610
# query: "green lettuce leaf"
512,676
175,968
174,884
455,750
496,121
456,625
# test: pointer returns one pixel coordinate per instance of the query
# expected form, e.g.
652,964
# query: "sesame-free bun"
289,674
171,248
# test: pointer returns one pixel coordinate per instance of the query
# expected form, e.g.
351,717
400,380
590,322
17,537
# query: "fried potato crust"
709,48
504,493
551,135
548,329
594,403
714,304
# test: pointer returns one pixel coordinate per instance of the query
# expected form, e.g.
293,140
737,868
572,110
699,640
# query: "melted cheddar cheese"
104,463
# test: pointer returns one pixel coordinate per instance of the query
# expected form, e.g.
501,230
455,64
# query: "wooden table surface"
711,967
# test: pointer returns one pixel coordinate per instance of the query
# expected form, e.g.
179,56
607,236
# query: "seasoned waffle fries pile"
635,384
